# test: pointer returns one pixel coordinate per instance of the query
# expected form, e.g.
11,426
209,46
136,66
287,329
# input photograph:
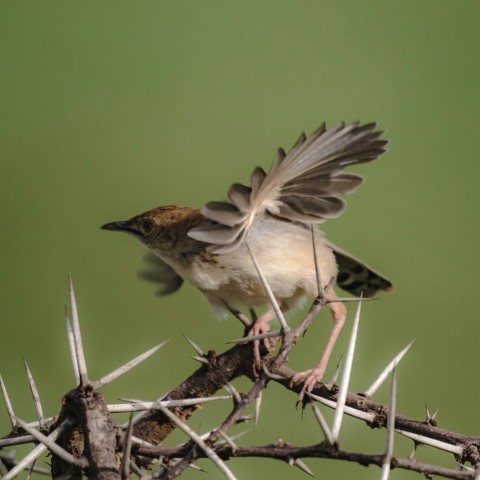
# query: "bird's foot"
309,378
261,325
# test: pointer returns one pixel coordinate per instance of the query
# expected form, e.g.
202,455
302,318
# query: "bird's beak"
122,226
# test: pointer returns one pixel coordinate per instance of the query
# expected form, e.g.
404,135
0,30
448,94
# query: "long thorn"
353,412
343,390
320,291
334,378
9,442
258,405
227,439
230,389
196,438
194,346
127,366
8,404
271,296
143,406
52,446
447,447
25,462
390,427
36,452
72,348
82,365
260,336
350,299
323,423
127,448
386,371
35,395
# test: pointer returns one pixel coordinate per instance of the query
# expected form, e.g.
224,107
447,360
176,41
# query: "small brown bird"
272,217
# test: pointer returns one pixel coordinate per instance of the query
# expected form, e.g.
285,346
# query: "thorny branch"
205,381
89,435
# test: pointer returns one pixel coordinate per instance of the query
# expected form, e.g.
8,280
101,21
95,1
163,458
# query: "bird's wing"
162,274
303,185
357,278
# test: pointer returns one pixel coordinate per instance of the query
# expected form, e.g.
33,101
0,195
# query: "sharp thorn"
390,428
35,396
343,388
271,296
8,404
127,448
194,346
127,366
261,336
81,363
323,423
301,465
386,372
209,452
71,345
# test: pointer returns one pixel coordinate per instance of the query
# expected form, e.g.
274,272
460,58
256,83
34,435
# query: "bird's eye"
147,226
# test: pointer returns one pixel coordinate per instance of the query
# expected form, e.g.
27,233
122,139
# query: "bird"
273,218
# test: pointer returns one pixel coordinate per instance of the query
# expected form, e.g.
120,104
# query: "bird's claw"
309,378
258,328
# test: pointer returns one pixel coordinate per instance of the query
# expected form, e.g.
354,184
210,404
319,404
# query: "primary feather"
301,186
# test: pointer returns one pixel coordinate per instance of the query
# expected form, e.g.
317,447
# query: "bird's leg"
312,376
239,315
261,325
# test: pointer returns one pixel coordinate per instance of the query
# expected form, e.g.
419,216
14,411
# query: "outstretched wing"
357,278
162,274
303,185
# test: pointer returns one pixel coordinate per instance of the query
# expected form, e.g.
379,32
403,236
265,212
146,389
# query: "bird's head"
161,229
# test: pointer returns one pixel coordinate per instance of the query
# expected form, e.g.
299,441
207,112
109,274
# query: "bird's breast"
284,253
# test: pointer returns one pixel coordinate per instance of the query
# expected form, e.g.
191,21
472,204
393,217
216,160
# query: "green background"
111,108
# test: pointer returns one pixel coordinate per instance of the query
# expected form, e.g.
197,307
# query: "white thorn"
9,442
201,359
320,291
196,438
52,446
258,404
301,465
232,438
127,366
35,395
25,462
8,404
323,423
73,351
390,428
229,388
343,388
144,406
230,442
271,296
386,372
194,345
447,447
36,452
81,363
335,373
353,412
125,466
260,336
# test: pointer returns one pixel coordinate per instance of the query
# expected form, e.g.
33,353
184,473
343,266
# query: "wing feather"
303,185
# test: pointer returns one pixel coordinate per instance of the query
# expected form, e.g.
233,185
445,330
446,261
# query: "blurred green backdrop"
111,108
